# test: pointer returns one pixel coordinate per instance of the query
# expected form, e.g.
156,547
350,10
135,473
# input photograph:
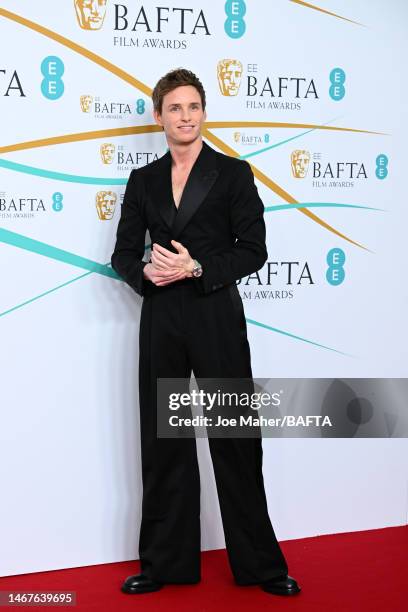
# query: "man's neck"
184,156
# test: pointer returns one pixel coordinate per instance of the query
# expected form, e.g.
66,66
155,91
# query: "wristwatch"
197,270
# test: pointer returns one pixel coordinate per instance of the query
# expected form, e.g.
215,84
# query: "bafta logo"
107,152
300,163
237,136
86,103
105,204
90,13
229,73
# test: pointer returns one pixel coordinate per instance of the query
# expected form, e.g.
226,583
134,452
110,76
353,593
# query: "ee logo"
57,204
381,163
140,106
234,25
335,272
337,78
52,85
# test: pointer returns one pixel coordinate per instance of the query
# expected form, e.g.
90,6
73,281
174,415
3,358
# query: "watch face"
197,272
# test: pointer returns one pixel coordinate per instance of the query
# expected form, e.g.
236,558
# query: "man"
206,225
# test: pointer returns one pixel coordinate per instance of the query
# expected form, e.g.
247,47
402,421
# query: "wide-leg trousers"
182,331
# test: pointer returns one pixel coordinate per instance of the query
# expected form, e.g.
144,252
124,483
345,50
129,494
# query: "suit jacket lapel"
160,190
201,178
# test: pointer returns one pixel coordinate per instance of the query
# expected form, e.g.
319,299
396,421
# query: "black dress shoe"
140,584
282,585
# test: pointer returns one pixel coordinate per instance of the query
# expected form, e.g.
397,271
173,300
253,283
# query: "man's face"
90,13
107,153
229,77
300,163
182,115
105,204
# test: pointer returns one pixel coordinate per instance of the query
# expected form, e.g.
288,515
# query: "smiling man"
205,220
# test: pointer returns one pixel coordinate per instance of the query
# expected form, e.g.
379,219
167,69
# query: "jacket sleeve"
249,253
130,238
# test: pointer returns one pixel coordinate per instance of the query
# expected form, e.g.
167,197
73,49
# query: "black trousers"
181,331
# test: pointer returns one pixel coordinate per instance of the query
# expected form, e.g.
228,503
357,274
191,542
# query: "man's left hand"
181,262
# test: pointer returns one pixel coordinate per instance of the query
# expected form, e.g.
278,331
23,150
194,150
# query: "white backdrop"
69,438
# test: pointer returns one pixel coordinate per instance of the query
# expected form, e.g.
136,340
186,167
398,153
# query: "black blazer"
219,220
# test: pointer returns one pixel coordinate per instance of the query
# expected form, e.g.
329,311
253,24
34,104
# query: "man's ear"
157,117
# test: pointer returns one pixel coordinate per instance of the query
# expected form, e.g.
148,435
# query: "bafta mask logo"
229,73
90,13
107,152
237,136
105,204
86,103
300,163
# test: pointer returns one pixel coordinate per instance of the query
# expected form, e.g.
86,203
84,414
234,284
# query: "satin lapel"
201,178
160,190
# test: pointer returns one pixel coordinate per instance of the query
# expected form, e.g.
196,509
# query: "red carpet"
360,571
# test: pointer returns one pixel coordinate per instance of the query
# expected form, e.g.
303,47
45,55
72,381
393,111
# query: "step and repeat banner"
313,96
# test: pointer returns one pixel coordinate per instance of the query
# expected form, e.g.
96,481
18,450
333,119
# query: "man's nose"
185,114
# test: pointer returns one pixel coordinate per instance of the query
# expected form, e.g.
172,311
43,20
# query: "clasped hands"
166,267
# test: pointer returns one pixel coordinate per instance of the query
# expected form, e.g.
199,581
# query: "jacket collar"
200,180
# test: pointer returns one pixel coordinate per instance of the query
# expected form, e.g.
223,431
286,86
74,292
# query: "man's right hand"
162,277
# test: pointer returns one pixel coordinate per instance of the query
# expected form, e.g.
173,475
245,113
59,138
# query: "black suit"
199,325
